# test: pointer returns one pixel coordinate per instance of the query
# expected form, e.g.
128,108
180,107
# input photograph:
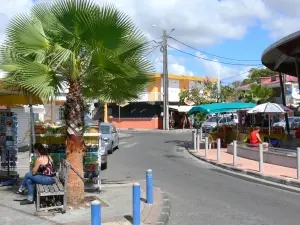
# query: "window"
61,113
105,129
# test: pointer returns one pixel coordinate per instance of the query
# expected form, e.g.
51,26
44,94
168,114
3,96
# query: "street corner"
159,212
249,175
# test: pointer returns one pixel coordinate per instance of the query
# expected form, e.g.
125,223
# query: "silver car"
212,123
294,123
110,137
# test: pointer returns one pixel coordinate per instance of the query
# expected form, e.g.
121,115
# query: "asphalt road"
199,193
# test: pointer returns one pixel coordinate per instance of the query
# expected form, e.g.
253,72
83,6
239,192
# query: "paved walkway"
117,197
247,164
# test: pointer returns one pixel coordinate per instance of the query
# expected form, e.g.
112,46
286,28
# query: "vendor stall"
229,130
54,137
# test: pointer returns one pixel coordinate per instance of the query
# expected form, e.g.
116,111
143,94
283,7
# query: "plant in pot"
199,119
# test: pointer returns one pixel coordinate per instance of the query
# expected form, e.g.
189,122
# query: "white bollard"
234,153
261,158
298,163
194,139
218,149
206,146
201,134
198,142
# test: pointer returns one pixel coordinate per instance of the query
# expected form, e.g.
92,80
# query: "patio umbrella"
269,108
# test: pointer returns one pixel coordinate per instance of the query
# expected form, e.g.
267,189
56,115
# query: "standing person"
255,138
42,173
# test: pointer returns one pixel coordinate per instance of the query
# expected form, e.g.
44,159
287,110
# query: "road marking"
122,142
130,145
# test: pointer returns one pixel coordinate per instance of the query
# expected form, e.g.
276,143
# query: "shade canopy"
270,108
281,55
220,107
18,99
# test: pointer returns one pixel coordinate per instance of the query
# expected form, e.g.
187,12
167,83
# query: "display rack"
8,145
54,140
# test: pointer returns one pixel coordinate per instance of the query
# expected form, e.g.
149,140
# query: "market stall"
228,132
53,137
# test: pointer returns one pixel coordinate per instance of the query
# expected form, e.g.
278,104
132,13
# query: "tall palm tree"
92,50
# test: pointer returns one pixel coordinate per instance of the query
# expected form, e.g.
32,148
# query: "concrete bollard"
194,140
149,190
198,142
206,146
201,134
261,158
136,204
218,149
234,152
96,213
298,163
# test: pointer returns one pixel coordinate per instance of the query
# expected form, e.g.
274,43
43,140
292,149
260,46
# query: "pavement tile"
249,165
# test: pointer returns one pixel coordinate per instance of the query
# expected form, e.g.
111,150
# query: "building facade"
291,89
144,113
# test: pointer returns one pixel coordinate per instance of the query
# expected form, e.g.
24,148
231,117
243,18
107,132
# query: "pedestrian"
42,173
255,138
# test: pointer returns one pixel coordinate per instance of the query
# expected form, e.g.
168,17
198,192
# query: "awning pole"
284,102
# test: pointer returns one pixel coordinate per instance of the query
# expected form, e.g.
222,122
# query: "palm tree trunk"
74,117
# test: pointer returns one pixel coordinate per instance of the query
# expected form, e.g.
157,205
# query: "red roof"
268,81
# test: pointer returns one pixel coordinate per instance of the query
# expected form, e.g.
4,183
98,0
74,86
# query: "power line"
152,50
238,74
226,63
241,60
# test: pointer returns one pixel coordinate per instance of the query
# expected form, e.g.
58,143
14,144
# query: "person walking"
42,173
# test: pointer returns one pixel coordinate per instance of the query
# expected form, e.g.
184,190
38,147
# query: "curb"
283,184
166,210
126,137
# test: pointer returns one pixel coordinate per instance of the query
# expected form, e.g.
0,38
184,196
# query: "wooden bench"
54,196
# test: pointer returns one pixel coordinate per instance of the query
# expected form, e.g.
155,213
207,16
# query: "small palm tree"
258,92
92,50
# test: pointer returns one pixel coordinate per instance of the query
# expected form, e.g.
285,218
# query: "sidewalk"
251,167
116,208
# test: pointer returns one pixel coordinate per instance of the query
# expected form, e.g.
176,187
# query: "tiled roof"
268,81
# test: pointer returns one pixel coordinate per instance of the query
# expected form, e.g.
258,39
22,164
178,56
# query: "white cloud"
175,65
227,73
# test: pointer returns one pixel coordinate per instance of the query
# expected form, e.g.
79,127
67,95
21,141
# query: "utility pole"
219,85
165,81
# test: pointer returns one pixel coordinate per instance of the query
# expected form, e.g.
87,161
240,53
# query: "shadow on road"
184,144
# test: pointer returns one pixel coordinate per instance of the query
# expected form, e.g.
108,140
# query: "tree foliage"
257,92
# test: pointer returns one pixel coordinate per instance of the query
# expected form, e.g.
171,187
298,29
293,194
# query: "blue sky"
239,29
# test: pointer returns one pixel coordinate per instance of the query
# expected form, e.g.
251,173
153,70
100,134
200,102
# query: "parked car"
110,137
212,122
294,123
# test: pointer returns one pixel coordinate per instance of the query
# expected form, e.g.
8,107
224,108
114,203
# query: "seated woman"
255,138
42,173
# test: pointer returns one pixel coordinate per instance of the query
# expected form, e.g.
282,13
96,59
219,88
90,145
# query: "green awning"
220,107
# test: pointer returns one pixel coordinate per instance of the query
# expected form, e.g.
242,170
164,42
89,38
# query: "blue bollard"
96,213
136,208
149,190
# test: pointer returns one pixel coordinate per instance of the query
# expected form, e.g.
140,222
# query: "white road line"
130,145
122,142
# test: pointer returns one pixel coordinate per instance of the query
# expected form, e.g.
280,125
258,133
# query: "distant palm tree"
258,93
94,51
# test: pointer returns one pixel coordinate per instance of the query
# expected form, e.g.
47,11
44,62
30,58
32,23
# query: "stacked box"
8,141
54,141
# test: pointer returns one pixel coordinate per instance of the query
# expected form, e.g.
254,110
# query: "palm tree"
93,50
258,93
